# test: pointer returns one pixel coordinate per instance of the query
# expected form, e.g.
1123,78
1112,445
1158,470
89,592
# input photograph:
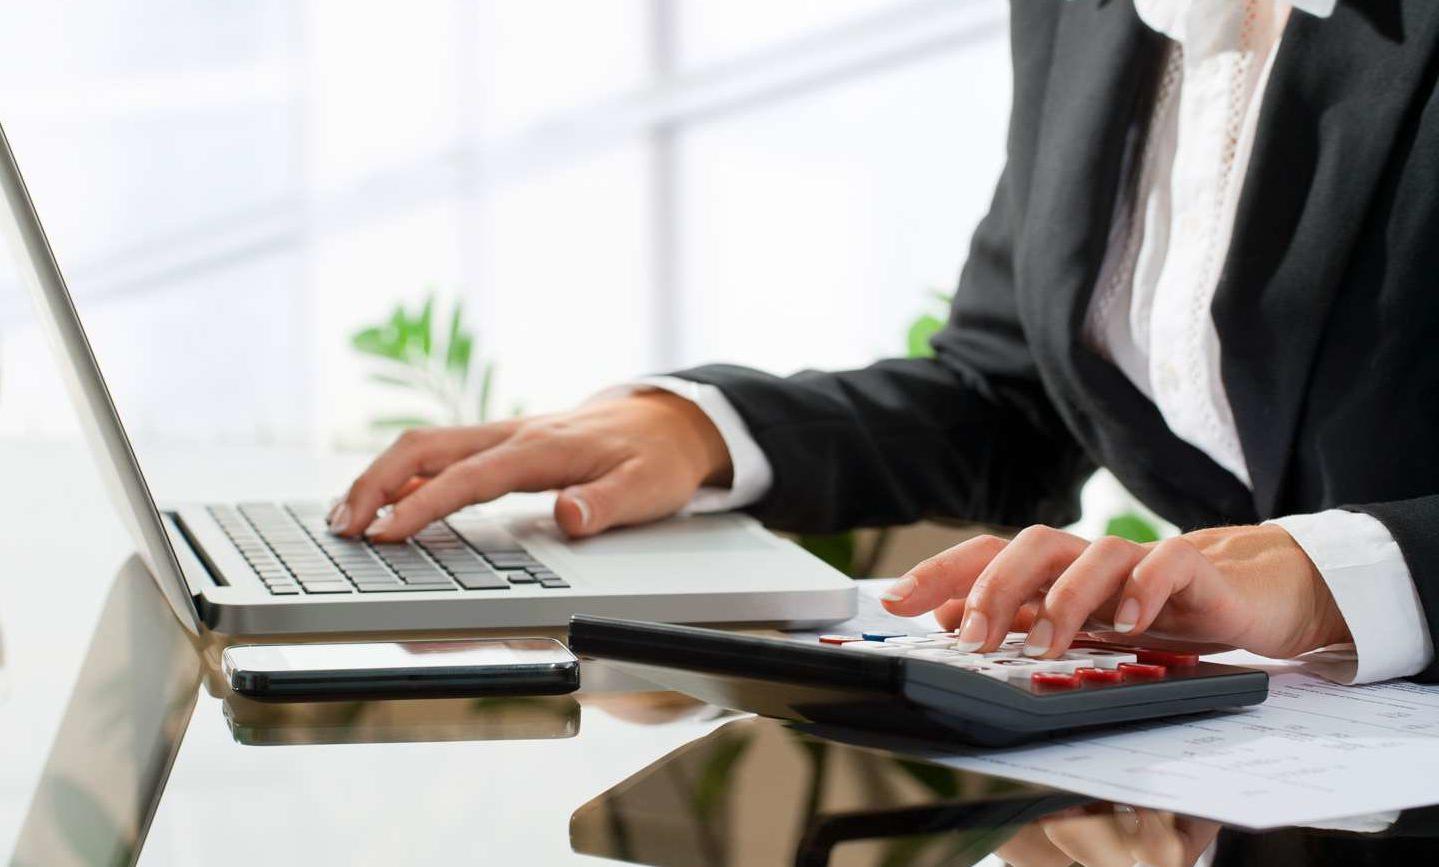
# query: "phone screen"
403,655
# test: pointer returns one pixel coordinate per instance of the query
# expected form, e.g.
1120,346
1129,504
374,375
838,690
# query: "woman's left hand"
1248,587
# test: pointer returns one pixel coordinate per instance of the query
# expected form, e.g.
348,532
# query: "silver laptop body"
271,568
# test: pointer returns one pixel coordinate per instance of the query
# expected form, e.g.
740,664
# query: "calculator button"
1171,658
882,636
939,654
1050,681
1100,676
838,639
867,646
1102,657
913,640
1141,671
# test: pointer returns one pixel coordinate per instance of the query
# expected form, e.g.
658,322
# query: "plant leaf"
1132,526
920,331
401,421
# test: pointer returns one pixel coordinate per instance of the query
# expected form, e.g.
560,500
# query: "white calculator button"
938,654
1101,658
873,647
1064,664
1011,653
912,640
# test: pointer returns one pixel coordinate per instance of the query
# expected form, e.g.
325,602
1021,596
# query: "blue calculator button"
881,636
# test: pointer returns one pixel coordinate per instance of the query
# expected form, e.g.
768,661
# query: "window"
611,189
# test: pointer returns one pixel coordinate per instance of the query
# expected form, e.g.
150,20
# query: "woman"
1210,266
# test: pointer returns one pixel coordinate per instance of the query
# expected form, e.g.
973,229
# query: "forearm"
896,442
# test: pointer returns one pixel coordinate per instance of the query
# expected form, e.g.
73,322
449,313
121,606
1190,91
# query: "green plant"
1132,526
442,367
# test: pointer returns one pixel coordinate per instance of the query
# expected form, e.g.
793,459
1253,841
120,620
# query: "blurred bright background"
612,188
606,189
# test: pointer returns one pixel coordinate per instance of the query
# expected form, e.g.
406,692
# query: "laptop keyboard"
292,550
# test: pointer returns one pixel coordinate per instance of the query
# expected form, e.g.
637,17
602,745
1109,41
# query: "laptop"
268,568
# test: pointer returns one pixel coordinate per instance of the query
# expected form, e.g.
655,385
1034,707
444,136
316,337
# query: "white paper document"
1313,752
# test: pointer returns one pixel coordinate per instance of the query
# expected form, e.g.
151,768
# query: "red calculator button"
1140,671
1052,680
1096,644
1173,658
838,639
1098,676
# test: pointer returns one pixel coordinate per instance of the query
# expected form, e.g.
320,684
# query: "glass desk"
152,763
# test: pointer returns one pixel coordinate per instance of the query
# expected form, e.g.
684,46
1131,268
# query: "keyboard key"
486,538
326,587
395,587
554,583
838,639
518,577
513,561
284,589
482,582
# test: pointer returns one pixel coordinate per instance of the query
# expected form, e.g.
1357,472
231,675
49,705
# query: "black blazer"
1327,310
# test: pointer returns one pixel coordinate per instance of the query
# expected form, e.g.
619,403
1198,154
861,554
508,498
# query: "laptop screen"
104,432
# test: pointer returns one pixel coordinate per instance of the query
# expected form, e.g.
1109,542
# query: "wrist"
699,438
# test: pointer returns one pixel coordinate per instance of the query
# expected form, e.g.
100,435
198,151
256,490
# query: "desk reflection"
119,735
758,791
255,723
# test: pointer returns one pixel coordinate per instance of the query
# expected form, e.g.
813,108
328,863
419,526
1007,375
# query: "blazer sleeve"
1413,524
967,434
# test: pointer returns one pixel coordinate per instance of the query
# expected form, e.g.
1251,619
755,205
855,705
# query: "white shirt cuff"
752,474
1371,584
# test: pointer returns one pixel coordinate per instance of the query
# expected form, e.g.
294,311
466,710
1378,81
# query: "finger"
476,479
416,452
630,493
1029,847
1091,581
1027,564
1168,569
1196,834
1154,840
1094,841
942,577
951,614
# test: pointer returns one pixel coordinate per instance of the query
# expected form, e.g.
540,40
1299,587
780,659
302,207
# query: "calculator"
920,685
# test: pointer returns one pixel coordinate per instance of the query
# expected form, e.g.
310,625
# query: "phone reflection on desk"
492,718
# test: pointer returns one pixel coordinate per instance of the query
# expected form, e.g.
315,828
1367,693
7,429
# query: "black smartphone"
401,669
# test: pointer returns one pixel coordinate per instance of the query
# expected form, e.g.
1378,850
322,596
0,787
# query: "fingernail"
1127,617
899,590
1041,635
1127,818
380,526
584,508
973,632
339,518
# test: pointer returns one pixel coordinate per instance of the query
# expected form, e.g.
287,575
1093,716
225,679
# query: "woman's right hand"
619,461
